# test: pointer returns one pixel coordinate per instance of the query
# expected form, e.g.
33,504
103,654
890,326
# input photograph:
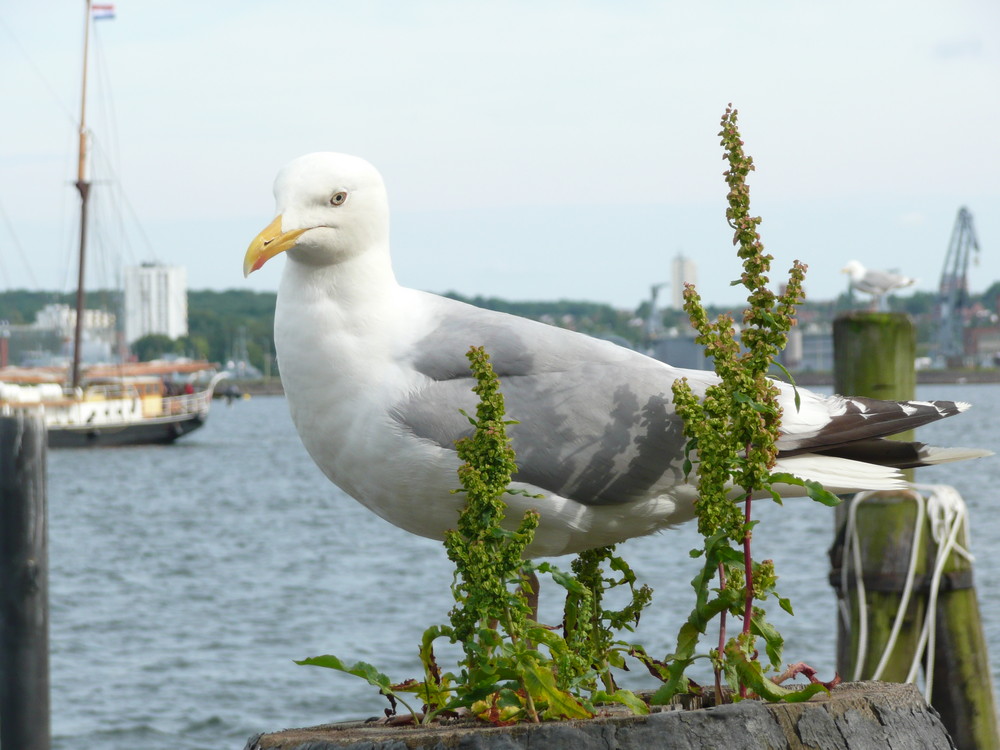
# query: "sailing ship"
130,404
108,405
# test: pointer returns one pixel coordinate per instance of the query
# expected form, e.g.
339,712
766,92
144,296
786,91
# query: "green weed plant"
733,431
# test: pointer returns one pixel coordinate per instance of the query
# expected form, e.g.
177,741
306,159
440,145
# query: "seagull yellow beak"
267,244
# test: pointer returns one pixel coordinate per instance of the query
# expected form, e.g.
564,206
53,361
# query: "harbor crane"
953,292
654,326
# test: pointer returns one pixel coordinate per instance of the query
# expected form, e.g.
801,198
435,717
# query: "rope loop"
946,512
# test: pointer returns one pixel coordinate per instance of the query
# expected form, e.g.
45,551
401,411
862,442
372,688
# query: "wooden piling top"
854,716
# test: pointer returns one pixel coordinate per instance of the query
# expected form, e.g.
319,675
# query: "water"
186,579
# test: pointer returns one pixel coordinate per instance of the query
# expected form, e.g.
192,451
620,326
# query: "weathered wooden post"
24,591
963,689
873,356
886,523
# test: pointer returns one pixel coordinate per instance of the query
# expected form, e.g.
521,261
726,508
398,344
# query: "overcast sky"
532,150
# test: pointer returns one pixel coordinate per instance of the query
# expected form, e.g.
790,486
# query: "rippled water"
185,580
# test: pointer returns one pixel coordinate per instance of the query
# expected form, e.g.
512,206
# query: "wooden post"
963,684
24,620
873,356
885,559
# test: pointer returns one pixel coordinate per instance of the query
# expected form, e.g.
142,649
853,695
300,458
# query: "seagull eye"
338,198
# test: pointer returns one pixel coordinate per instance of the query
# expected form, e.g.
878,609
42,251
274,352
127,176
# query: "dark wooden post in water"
24,590
873,356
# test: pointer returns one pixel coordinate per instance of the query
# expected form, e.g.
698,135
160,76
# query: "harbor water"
186,579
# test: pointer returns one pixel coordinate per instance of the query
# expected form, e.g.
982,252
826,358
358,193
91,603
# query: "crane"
654,326
953,292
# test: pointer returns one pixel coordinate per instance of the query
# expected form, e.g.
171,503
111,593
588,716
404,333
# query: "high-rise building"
682,271
155,301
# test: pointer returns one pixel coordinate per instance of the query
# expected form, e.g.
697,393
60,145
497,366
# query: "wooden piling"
24,621
873,356
963,683
885,558
854,716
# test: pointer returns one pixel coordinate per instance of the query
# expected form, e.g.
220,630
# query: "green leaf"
624,697
361,669
751,674
566,580
820,494
814,490
775,495
803,694
791,381
773,642
541,685
676,685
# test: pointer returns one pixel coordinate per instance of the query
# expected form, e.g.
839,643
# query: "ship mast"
83,186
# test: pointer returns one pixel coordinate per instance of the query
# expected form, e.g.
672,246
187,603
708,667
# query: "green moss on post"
873,354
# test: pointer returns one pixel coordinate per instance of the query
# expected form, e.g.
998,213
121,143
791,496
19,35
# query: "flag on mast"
102,11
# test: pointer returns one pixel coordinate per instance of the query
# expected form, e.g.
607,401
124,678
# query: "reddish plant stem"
748,573
722,639
748,570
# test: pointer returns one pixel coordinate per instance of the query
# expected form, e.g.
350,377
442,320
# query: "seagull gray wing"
595,421
880,282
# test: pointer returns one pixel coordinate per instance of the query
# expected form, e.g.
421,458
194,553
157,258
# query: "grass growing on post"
734,429
554,676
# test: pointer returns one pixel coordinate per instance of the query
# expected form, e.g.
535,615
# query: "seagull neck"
355,283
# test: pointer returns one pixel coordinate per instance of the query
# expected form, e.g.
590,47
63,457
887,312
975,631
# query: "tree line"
238,323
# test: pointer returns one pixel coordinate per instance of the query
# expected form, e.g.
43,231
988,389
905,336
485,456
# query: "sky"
532,150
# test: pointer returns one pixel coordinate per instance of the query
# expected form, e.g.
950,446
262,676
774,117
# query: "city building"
48,341
155,301
682,271
62,318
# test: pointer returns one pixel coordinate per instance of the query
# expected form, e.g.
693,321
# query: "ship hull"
147,432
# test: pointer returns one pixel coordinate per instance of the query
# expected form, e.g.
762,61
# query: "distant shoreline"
924,377
273,387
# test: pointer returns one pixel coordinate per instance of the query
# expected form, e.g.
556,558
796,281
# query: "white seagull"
376,375
876,283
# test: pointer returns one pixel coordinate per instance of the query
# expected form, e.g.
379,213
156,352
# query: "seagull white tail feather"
931,455
841,474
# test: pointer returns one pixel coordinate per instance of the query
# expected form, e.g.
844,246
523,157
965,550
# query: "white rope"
947,514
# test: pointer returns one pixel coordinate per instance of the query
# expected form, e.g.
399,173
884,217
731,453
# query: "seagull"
376,379
875,283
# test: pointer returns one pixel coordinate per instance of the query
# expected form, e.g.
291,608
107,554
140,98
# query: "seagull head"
854,269
330,207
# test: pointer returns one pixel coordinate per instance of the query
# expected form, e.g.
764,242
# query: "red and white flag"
102,11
